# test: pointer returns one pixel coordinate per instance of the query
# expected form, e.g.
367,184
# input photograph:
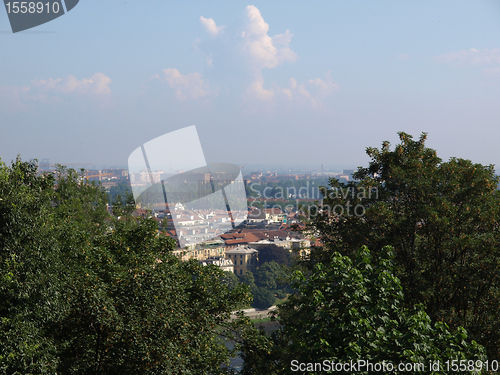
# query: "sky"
266,83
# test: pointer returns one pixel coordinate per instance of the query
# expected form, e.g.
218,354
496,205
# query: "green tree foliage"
31,272
274,253
122,190
267,280
349,310
231,280
271,276
83,292
263,298
248,279
442,219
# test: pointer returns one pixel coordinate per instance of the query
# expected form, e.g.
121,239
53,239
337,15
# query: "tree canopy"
442,219
347,311
274,253
427,290
84,292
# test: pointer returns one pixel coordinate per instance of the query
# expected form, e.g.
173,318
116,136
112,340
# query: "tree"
31,272
84,292
263,298
347,310
230,279
442,219
149,312
278,254
248,279
271,276
122,190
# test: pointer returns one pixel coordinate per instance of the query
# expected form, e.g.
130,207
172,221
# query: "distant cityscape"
264,173
206,234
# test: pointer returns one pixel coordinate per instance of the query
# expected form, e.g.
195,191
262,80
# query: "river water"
237,362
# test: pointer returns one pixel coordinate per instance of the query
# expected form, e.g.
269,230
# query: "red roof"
235,242
238,238
273,211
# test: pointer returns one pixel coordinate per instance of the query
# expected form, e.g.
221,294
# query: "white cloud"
98,84
211,27
189,86
52,90
310,93
298,93
471,56
488,59
257,91
240,63
263,50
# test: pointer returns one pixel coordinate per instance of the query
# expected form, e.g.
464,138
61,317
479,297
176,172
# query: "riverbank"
255,313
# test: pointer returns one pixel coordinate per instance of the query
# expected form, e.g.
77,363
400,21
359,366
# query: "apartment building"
244,258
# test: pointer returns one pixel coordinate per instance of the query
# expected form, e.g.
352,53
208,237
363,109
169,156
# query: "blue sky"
277,83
